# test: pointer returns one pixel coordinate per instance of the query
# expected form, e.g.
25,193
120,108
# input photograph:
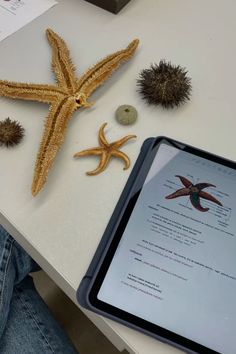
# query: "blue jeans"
26,324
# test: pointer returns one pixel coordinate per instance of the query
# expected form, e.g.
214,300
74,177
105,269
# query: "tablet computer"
167,261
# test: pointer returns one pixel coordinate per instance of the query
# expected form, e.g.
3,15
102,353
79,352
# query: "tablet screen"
175,264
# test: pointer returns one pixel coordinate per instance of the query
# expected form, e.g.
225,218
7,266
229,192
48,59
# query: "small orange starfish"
106,151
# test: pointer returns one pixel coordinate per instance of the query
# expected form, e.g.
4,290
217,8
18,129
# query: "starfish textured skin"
106,151
195,192
69,94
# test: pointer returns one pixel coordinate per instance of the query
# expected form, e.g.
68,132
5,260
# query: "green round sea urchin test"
164,84
126,114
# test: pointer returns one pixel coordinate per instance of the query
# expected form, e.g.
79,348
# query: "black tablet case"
110,5
85,285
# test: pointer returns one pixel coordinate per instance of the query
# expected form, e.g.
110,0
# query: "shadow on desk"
85,336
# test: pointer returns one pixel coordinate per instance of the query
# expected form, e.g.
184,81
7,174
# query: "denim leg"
30,328
7,276
15,264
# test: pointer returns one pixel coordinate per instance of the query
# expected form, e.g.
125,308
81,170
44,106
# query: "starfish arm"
201,186
185,181
61,62
122,156
179,193
195,200
92,151
117,144
209,197
31,92
105,157
53,137
101,136
101,71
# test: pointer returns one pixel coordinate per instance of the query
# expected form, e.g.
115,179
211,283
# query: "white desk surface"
62,226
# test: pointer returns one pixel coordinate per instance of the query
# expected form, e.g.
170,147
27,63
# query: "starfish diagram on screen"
195,193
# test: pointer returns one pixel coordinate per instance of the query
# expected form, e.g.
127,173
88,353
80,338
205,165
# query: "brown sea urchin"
164,84
11,132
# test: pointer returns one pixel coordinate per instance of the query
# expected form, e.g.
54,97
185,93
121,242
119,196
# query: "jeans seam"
5,273
24,303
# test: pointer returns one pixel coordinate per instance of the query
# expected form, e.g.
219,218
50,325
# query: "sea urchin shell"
11,132
165,84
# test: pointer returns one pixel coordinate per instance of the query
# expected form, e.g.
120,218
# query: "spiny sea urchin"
165,84
11,132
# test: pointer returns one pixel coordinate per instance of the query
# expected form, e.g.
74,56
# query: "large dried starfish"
106,151
195,192
64,98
